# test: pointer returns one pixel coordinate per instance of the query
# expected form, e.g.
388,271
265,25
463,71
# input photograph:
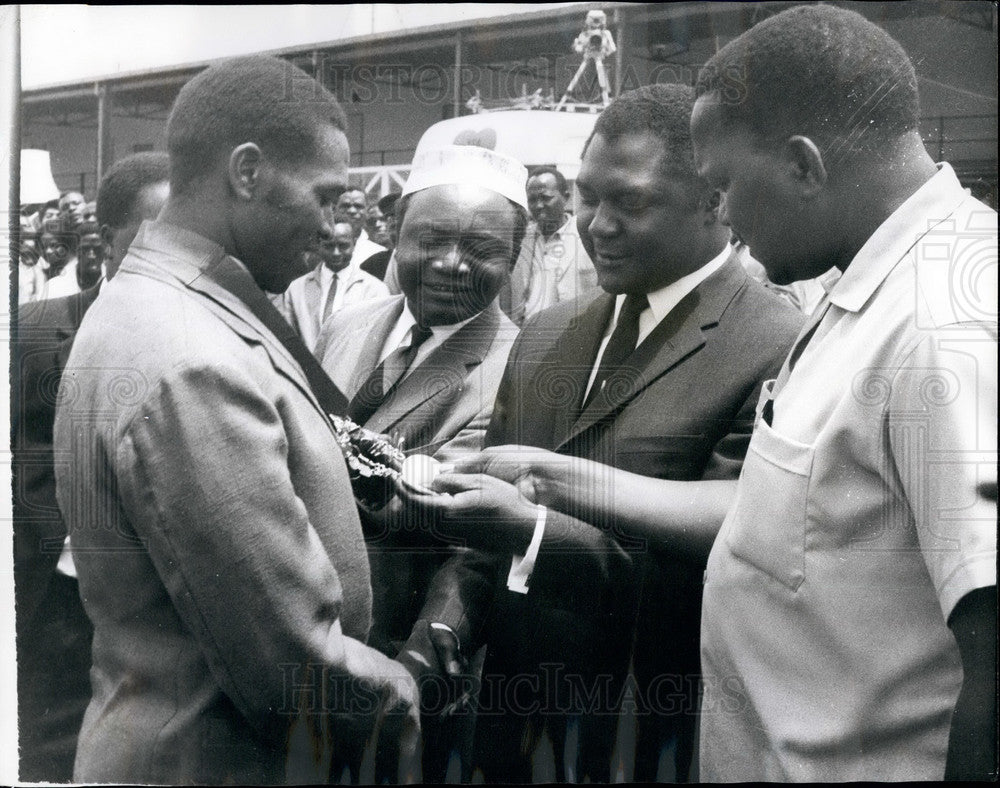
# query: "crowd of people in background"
662,487
62,253
60,248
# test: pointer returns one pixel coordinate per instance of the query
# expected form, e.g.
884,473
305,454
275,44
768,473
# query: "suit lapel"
244,322
572,357
675,338
441,371
361,345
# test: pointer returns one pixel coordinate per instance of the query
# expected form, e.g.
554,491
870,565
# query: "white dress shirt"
403,331
364,248
661,304
62,284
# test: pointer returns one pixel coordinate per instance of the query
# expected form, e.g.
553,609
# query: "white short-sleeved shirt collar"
929,205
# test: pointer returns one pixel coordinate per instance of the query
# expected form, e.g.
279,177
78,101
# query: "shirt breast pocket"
766,527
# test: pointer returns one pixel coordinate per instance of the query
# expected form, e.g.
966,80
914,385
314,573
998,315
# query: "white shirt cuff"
65,565
522,566
446,628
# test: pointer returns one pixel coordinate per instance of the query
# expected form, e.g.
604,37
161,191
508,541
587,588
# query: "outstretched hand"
476,510
539,475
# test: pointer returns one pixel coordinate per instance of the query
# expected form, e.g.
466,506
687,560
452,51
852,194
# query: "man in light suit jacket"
335,283
219,552
53,631
693,338
462,218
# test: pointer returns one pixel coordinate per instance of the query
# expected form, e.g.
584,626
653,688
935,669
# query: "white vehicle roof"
532,136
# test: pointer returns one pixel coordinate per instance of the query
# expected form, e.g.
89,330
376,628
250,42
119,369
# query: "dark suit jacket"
684,411
53,632
45,331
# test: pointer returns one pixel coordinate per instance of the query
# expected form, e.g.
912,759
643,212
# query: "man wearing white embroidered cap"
425,366
656,376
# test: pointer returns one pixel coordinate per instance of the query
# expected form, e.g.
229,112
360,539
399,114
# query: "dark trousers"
53,682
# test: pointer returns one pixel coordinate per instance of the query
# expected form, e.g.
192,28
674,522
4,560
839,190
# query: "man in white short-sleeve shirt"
849,614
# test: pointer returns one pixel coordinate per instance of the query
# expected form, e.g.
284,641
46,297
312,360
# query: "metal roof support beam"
105,100
457,81
620,52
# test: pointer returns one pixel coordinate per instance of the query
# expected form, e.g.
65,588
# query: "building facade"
399,69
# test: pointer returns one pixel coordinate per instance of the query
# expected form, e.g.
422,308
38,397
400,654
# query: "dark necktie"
322,316
383,379
621,344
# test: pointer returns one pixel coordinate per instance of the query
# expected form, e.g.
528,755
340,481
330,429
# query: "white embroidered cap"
469,164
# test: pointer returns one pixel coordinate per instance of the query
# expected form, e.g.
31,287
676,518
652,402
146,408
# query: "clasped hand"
488,500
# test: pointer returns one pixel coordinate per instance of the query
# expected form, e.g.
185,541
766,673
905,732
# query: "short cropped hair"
520,222
663,110
88,228
359,190
816,70
388,203
120,187
258,99
547,170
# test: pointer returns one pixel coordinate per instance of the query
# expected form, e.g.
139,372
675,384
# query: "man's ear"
107,237
710,206
245,165
805,163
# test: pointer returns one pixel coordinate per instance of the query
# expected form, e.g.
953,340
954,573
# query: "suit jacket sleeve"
464,588
39,529
203,475
579,569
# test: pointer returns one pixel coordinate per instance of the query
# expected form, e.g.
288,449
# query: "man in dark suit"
53,632
659,375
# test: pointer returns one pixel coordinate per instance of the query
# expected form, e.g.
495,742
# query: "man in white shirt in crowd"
352,207
334,283
58,244
553,265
